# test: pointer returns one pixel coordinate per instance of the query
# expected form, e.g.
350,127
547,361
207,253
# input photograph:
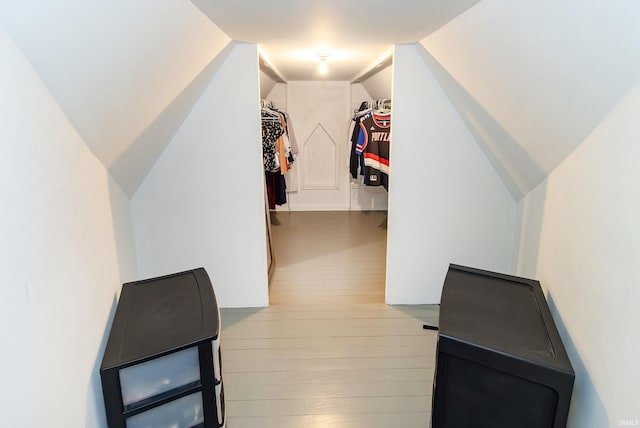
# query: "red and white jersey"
373,145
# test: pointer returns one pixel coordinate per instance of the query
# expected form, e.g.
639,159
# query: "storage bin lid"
507,314
159,315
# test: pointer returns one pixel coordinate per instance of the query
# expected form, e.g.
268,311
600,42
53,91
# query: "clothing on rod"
370,142
278,150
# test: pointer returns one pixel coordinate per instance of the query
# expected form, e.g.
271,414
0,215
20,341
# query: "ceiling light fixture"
322,67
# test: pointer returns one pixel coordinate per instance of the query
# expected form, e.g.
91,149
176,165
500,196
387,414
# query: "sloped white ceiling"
517,169
114,66
135,162
266,85
533,79
530,79
379,85
354,32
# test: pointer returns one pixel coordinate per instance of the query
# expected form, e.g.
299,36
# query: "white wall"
580,238
358,95
320,114
266,84
203,202
379,85
446,202
278,95
123,233
59,271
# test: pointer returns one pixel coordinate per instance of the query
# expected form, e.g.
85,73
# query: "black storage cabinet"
500,360
162,366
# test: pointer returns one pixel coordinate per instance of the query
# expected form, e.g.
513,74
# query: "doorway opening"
327,241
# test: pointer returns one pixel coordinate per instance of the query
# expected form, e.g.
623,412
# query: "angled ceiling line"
270,71
375,69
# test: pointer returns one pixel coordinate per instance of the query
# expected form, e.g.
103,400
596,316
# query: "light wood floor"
328,352
329,257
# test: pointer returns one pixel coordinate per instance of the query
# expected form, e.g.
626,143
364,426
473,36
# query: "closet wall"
278,96
321,114
379,86
579,237
66,248
203,202
446,202
266,84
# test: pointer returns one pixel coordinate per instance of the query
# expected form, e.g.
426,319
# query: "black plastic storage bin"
500,362
161,367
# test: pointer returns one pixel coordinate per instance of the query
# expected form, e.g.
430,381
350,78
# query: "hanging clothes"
354,158
270,181
283,147
371,148
276,188
291,177
292,137
271,131
277,151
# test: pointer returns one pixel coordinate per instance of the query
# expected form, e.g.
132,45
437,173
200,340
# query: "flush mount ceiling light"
322,67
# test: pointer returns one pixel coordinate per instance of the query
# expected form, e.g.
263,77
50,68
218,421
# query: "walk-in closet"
326,202
131,148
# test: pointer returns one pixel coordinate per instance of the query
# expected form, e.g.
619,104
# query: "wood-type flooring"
328,352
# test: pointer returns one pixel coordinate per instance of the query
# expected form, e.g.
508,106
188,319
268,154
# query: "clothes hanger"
383,107
269,116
